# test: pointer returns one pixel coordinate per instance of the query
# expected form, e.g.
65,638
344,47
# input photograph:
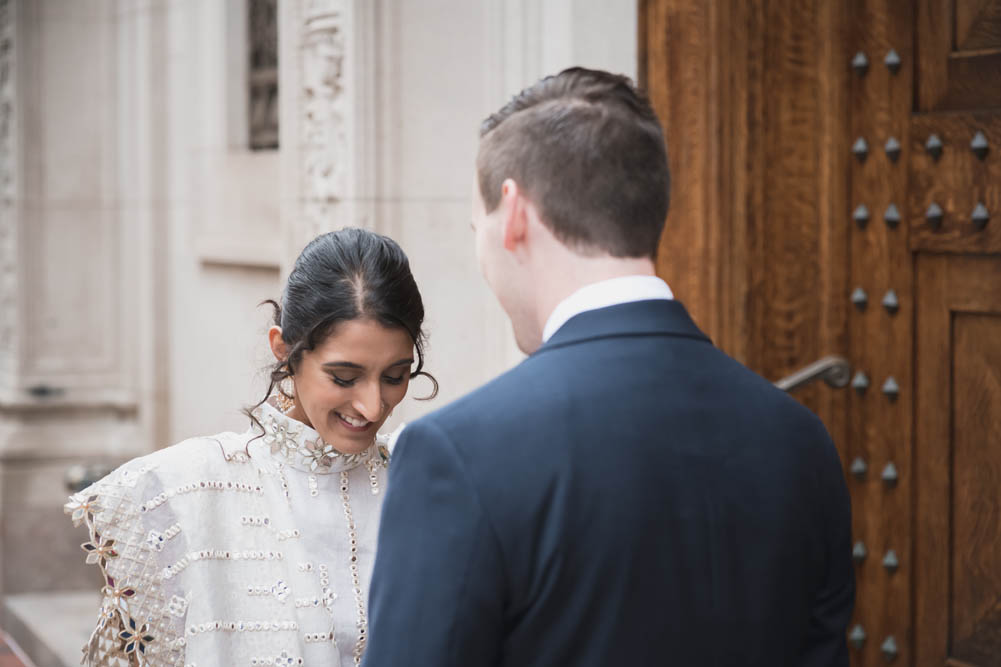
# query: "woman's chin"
352,447
348,443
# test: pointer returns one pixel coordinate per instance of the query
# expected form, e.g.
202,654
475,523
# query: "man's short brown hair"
586,148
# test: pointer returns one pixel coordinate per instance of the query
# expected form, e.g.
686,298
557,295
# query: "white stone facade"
138,231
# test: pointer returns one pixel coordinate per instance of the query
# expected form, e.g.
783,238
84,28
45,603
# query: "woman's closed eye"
347,382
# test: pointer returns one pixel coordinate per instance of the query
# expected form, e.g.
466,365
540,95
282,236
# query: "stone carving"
323,123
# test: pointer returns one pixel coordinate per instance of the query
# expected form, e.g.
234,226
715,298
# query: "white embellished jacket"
230,550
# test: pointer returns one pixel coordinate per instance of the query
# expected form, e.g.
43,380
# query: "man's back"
627,495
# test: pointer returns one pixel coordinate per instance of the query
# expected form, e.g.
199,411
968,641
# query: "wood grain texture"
882,343
956,182
932,428
957,463
679,79
760,108
934,36
978,24
754,103
976,482
951,80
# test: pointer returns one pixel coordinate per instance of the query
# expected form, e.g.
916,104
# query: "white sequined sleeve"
141,617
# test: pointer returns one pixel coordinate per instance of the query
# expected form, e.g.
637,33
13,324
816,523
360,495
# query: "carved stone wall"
318,106
8,190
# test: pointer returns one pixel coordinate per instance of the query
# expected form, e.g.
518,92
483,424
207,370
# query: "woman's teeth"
357,423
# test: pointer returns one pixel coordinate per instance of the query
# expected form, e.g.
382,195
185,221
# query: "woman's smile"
353,424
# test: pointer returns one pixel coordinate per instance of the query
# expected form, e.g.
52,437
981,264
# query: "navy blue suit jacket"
628,495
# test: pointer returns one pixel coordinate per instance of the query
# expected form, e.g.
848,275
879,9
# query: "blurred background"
835,224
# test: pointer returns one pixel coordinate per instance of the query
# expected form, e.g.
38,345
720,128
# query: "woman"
256,548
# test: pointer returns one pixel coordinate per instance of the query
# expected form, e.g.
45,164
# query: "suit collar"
657,317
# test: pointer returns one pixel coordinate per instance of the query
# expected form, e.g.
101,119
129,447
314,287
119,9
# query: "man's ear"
277,344
515,220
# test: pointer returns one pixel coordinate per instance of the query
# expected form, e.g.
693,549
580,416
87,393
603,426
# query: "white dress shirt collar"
603,294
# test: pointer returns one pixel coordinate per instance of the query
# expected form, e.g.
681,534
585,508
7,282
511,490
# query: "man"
628,495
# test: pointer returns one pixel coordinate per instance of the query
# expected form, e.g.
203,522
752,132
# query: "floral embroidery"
286,659
281,436
155,540
301,447
318,454
141,620
118,596
280,590
177,606
98,551
82,507
131,606
135,638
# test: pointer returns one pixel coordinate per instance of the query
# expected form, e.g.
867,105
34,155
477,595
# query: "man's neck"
568,277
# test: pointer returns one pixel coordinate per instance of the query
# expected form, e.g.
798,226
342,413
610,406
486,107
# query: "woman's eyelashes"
346,382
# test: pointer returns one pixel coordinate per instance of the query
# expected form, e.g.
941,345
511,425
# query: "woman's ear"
277,343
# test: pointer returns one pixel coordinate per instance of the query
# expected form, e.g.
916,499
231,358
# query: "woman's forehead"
365,340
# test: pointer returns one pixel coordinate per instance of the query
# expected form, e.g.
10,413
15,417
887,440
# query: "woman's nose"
368,402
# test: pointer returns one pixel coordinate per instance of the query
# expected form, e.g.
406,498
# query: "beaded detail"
373,466
299,446
262,520
279,590
177,606
161,583
243,626
136,624
359,649
283,659
203,485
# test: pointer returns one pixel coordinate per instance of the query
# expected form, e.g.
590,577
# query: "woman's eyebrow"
342,364
347,364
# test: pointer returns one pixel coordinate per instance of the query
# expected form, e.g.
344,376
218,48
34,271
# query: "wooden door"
832,195
957,280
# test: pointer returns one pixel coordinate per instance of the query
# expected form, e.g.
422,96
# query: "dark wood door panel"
958,55
978,24
976,483
957,546
956,182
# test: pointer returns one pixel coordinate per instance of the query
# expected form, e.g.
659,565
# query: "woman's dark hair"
340,276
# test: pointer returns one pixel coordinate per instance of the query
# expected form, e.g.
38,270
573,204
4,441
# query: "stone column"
317,119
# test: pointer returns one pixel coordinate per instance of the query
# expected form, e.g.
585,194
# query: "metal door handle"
834,370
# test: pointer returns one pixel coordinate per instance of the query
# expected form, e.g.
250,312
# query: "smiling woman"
232,549
345,339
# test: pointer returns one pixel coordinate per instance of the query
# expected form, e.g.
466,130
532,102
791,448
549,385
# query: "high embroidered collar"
298,446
